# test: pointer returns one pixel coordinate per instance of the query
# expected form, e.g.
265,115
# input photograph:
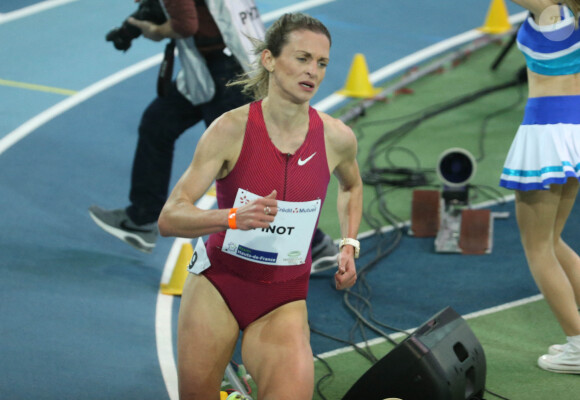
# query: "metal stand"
507,47
455,227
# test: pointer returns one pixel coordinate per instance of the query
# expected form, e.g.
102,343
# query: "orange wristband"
232,218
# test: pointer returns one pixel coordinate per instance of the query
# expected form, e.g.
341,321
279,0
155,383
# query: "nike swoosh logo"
301,162
131,229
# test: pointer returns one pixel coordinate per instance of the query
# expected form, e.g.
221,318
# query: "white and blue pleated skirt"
546,148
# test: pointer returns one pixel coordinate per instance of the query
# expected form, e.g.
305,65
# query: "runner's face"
301,66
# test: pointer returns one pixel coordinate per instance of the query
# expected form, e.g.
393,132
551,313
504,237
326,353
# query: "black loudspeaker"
441,360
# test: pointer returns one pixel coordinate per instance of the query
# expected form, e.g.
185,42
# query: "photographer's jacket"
211,25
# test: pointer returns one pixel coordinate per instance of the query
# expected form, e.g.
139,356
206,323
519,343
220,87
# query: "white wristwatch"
353,242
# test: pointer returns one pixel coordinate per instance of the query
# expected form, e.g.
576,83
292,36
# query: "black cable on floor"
383,179
324,377
496,395
385,143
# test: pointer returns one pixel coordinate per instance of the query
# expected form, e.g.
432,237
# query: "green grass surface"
459,127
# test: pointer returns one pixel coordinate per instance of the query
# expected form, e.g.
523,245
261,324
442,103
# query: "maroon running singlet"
250,289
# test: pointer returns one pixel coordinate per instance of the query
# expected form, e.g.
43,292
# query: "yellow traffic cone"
175,284
358,83
497,20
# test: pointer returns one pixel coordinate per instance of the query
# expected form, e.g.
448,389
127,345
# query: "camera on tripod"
148,10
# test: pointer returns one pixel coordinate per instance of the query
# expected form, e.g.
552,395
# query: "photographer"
214,47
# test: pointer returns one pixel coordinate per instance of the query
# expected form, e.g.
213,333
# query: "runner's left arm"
349,203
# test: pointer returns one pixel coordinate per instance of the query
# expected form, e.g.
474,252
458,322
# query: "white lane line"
33,9
164,341
29,126
304,5
397,335
503,307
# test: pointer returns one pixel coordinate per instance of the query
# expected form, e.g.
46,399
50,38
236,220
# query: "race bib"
285,242
199,260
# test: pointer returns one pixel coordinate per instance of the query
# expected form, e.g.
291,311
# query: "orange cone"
497,20
358,83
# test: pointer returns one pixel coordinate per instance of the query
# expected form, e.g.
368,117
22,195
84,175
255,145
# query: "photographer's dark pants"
164,120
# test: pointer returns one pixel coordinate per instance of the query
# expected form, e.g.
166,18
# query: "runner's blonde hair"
255,82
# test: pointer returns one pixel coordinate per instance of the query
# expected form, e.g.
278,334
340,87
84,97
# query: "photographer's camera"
148,10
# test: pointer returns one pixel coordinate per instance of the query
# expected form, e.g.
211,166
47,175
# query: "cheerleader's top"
551,49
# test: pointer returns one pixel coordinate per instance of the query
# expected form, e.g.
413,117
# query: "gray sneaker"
118,224
324,255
